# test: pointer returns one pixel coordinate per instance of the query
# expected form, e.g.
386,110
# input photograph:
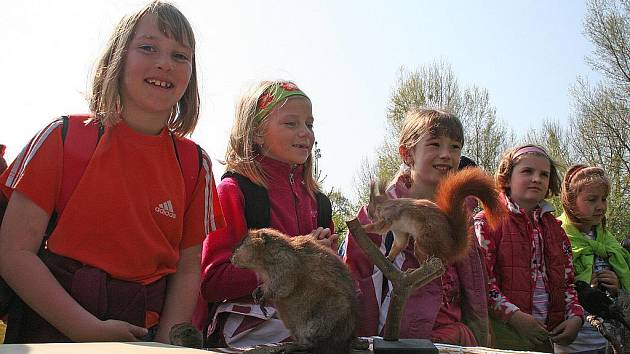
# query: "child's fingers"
554,332
562,339
607,278
325,242
115,330
539,338
315,233
334,241
319,233
566,331
325,233
138,332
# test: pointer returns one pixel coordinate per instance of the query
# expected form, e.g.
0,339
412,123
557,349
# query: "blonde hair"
240,156
508,161
104,97
577,178
422,121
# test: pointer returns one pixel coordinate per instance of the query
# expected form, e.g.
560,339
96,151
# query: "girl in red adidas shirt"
122,263
270,145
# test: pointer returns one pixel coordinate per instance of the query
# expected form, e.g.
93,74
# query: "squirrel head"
377,198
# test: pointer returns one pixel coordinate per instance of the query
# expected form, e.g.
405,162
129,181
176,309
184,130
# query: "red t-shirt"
127,215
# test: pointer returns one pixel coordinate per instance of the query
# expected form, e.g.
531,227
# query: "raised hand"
606,279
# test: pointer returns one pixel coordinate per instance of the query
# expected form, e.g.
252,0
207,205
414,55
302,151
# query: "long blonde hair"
104,97
240,156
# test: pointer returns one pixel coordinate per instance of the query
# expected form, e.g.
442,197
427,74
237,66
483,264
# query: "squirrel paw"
259,298
258,295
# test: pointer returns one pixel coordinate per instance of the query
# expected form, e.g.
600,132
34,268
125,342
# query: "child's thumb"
138,332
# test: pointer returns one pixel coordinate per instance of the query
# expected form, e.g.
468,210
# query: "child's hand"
565,332
529,328
111,331
608,279
324,237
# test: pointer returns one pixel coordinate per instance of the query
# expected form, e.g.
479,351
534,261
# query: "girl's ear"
259,136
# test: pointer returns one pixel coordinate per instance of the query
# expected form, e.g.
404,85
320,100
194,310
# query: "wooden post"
403,283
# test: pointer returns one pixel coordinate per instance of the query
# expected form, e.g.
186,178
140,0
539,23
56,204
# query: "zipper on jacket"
292,182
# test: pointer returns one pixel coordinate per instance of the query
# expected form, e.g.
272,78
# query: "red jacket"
508,252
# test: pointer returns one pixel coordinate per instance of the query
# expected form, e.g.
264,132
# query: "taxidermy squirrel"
439,229
308,284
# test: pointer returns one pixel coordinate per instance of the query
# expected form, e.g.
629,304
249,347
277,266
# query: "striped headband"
275,94
529,149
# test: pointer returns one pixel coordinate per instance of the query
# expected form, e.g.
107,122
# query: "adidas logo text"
166,208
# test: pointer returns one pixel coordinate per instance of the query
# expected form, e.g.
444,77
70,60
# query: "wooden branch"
403,283
427,271
373,253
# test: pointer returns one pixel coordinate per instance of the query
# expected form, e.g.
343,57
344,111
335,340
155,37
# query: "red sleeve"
363,272
204,214
220,279
36,171
499,305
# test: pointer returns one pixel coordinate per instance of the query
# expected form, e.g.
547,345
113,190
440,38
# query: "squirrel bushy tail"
450,195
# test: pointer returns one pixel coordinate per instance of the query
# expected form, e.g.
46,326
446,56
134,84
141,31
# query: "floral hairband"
275,94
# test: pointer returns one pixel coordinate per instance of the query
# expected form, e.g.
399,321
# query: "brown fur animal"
438,229
186,335
308,284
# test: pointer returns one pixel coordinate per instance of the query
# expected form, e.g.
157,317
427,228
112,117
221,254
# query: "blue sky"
345,54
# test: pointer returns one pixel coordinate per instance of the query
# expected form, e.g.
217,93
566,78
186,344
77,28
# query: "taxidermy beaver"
308,284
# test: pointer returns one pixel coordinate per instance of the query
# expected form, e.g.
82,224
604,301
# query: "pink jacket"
424,303
292,211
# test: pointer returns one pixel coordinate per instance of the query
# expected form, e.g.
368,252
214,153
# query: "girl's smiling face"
432,158
287,135
156,72
529,181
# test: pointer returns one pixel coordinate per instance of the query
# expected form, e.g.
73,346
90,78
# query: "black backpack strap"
257,209
324,210
256,201
64,129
